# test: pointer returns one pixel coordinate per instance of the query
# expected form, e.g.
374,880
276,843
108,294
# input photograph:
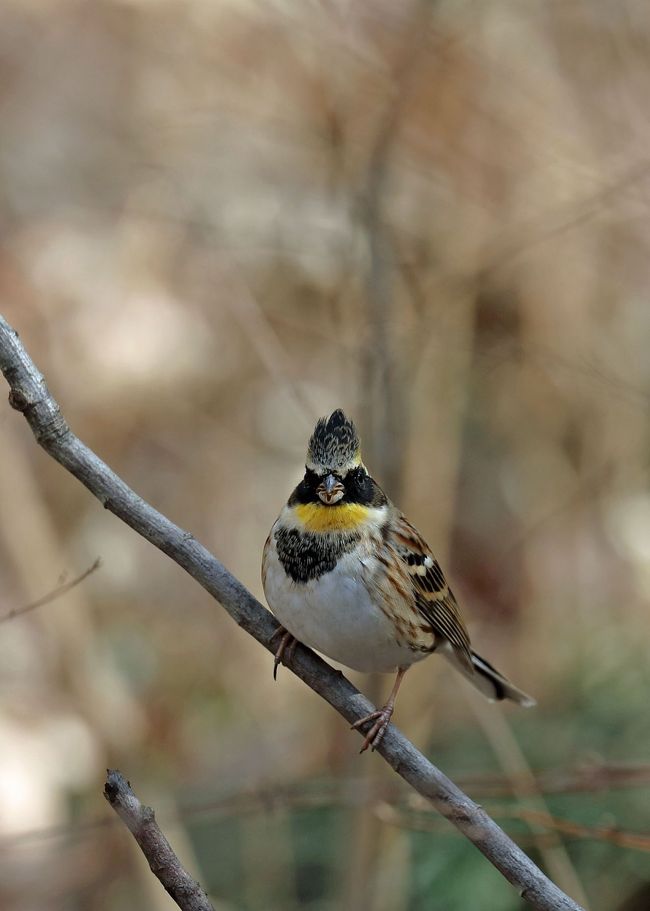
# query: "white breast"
336,615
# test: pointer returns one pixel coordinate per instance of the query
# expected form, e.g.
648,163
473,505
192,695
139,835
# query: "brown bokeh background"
220,220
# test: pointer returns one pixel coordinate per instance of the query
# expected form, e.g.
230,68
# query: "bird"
345,573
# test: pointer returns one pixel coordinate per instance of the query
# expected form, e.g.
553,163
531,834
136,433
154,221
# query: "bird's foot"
285,650
375,735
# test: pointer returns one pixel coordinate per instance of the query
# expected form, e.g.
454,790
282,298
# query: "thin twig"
141,823
30,395
346,793
639,841
583,779
51,596
524,239
354,791
424,821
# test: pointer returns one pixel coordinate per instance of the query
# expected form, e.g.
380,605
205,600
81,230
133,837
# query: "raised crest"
334,444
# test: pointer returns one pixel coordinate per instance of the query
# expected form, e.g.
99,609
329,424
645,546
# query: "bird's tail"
488,680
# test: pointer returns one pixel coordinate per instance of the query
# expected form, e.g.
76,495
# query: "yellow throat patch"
346,517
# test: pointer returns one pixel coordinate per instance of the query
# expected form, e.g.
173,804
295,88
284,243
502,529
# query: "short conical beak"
330,483
330,490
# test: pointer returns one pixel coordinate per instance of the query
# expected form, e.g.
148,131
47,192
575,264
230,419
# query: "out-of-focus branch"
381,391
426,822
584,779
30,395
385,797
381,385
639,841
141,823
51,596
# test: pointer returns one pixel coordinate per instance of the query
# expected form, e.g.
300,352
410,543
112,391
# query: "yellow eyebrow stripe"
345,517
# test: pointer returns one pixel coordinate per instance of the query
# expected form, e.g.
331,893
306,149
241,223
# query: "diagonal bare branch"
165,865
30,395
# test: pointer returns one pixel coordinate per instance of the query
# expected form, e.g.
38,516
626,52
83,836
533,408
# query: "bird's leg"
381,717
287,647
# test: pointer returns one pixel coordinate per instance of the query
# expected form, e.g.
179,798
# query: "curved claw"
287,645
376,733
381,717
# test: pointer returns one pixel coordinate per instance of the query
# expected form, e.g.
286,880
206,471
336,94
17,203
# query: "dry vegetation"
221,220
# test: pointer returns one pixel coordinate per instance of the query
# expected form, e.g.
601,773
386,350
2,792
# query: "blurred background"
221,219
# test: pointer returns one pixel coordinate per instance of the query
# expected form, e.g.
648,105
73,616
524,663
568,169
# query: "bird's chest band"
307,556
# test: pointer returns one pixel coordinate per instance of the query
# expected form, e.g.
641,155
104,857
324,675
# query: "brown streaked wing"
433,597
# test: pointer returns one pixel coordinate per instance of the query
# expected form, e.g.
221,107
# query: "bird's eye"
355,483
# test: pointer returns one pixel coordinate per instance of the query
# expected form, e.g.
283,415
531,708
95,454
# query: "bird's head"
335,475
332,453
